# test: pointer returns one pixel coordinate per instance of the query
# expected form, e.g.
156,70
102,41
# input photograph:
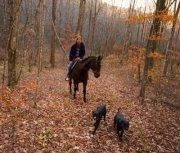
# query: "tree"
53,35
128,35
169,44
68,4
82,7
152,43
13,13
39,32
92,23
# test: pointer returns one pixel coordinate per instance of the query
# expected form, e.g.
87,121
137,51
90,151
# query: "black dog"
97,116
121,124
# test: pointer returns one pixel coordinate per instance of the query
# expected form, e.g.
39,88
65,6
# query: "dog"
98,115
121,124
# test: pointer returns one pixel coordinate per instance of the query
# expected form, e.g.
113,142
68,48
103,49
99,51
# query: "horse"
79,73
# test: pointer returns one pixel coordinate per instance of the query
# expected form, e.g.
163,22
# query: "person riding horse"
76,54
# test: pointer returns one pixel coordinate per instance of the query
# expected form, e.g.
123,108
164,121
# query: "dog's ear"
93,113
99,58
101,103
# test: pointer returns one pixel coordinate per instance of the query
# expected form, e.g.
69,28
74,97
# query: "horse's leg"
75,89
70,86
84,91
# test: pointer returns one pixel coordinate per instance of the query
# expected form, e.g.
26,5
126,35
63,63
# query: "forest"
89,76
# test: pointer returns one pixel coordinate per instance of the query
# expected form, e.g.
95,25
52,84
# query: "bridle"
96,72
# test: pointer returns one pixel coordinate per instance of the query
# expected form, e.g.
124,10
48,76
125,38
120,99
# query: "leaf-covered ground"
60,124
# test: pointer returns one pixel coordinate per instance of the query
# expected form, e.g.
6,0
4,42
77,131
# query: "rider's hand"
78,59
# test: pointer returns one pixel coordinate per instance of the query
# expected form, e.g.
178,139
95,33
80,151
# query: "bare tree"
97,9
82,7
39,32
152,44
169,44
13,12
53,35
128,35
68,5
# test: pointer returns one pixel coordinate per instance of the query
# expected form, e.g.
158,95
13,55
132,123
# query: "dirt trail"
60,124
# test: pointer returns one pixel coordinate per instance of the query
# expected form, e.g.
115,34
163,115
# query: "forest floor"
60,124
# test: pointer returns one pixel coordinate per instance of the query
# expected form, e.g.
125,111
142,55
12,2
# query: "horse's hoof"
120,140
71,97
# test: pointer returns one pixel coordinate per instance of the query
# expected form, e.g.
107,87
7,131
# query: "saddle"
73,65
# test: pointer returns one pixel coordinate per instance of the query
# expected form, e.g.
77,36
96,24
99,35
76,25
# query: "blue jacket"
77,51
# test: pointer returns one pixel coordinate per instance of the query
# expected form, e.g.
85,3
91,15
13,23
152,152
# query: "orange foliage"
152,72
163,16
136,55
156,38
31,85
10,99
156,55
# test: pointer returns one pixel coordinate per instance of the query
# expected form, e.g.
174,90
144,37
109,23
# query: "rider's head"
78,39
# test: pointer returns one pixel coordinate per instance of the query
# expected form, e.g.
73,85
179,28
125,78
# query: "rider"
77,53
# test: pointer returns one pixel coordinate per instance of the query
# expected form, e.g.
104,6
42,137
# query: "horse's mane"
89,57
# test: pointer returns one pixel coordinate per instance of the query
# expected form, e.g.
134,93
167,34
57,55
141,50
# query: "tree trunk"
152,44
53,39
68,4
155,30
169,44
177,37
139,72
143,31
13,12
82,7
90,25
128,35
97,9
40,30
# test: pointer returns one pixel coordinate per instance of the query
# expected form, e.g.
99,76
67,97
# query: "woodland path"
60,124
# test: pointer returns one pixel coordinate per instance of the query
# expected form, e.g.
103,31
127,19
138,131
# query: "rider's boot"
67,78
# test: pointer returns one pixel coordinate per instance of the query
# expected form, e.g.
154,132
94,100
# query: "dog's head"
94,115
126,125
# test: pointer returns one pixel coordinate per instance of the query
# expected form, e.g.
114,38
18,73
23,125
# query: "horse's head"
96,66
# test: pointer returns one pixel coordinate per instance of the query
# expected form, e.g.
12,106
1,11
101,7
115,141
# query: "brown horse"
79,73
